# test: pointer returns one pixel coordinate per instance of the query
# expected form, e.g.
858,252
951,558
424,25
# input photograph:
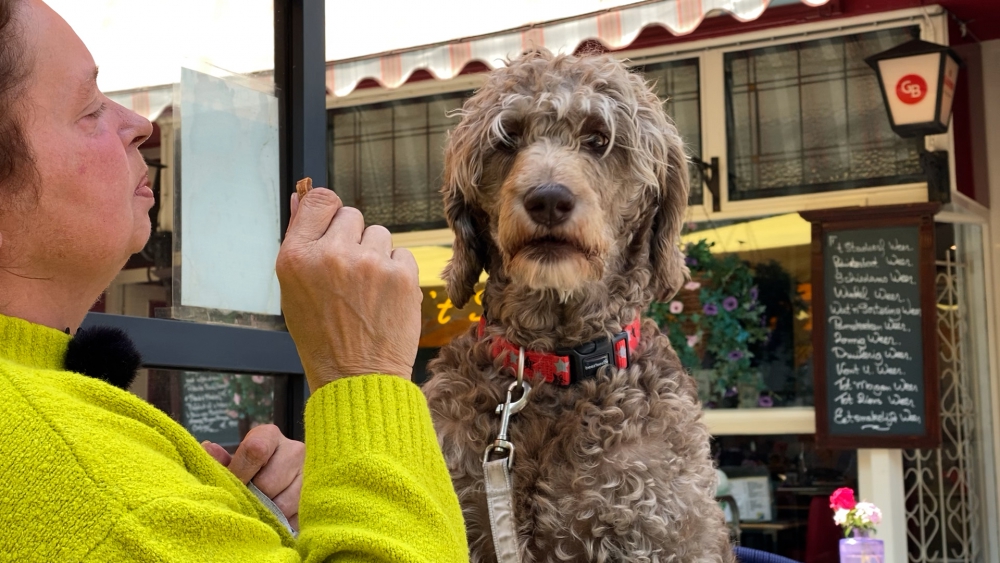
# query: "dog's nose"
549,204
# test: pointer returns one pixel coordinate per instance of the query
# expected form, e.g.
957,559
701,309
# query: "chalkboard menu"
874,321
205,408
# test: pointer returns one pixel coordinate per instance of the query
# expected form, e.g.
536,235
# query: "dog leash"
496,472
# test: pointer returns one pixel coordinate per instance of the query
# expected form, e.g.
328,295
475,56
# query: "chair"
747,555
734,510
822,534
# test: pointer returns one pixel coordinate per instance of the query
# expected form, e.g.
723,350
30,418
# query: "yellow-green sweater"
89,472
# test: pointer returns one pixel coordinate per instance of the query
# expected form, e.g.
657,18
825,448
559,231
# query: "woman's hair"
17,164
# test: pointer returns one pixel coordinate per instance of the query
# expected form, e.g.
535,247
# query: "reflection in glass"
809,117
219,407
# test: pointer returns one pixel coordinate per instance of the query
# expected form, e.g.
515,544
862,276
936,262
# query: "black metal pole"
300,81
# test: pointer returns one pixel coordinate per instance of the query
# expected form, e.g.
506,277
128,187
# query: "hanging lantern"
918,85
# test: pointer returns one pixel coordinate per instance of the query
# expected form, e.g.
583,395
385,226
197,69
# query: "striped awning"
615,28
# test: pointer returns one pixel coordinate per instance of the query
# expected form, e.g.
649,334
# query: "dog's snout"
549,204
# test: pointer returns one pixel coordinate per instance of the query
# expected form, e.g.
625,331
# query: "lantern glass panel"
809,117
948,89
911,85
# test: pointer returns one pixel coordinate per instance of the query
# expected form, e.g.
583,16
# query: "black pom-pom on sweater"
106,353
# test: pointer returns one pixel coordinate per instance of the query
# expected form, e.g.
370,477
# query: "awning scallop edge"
614,28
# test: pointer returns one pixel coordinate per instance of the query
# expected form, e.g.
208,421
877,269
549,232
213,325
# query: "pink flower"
676,307
692,340
236,398
842,498
258,379
692,285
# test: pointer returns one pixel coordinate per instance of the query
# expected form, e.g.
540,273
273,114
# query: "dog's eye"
510,141
596,141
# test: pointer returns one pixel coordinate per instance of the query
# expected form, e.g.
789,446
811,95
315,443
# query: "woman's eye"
99,112
595,141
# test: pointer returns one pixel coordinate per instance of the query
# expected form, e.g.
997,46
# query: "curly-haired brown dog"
567,182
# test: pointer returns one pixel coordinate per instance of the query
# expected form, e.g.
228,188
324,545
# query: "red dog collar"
567,366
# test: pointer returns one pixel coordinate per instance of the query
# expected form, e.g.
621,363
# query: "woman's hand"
351,302
272,462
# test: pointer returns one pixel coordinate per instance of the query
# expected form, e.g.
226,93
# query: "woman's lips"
143,189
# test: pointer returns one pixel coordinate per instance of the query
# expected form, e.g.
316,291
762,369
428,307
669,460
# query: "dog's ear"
462,170
666,259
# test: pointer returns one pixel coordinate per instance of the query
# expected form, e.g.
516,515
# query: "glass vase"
861,549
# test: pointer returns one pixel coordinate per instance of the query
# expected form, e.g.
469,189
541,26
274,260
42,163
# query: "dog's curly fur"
615,468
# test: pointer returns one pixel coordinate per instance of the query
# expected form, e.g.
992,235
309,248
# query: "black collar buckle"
588,358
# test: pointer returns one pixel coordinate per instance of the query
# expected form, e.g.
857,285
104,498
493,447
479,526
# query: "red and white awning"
614,28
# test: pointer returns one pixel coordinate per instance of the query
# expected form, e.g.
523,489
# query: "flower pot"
861,549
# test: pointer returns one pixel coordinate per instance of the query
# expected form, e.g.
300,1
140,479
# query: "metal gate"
944,486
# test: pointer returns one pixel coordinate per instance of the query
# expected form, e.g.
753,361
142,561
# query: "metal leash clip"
502,445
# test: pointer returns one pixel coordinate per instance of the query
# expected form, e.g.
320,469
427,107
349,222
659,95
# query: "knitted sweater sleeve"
375,489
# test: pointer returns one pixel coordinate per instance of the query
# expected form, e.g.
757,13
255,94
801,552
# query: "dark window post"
300,81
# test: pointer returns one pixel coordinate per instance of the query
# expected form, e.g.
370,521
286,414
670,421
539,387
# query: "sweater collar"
32,345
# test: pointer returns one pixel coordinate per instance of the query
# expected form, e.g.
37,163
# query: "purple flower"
754,293
735,355
676,307
765,401
691,261
710,309
730,303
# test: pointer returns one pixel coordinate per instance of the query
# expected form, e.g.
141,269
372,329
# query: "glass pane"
742,325
781,485
677,84
386,159
228,182
808,117
219,407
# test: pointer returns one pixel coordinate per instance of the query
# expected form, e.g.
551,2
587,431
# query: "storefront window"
742,325
676,83
808,117
386,159
781,485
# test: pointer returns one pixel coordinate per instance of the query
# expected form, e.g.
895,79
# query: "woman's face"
94,195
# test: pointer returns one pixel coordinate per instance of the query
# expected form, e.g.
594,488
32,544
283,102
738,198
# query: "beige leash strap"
499,499
496,472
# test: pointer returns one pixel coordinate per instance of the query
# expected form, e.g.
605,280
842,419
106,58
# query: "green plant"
719,332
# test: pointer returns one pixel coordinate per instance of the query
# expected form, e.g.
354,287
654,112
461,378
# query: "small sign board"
874,327
205,409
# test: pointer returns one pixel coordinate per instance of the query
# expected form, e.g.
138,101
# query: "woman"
89,472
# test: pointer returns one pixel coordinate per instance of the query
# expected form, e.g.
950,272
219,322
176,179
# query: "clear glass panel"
677,83
229,182
219,407
386,159
742,326
808,117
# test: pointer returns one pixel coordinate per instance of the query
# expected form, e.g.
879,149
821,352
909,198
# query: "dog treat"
303,186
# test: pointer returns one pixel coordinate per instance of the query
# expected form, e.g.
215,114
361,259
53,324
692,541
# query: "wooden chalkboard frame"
849,218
